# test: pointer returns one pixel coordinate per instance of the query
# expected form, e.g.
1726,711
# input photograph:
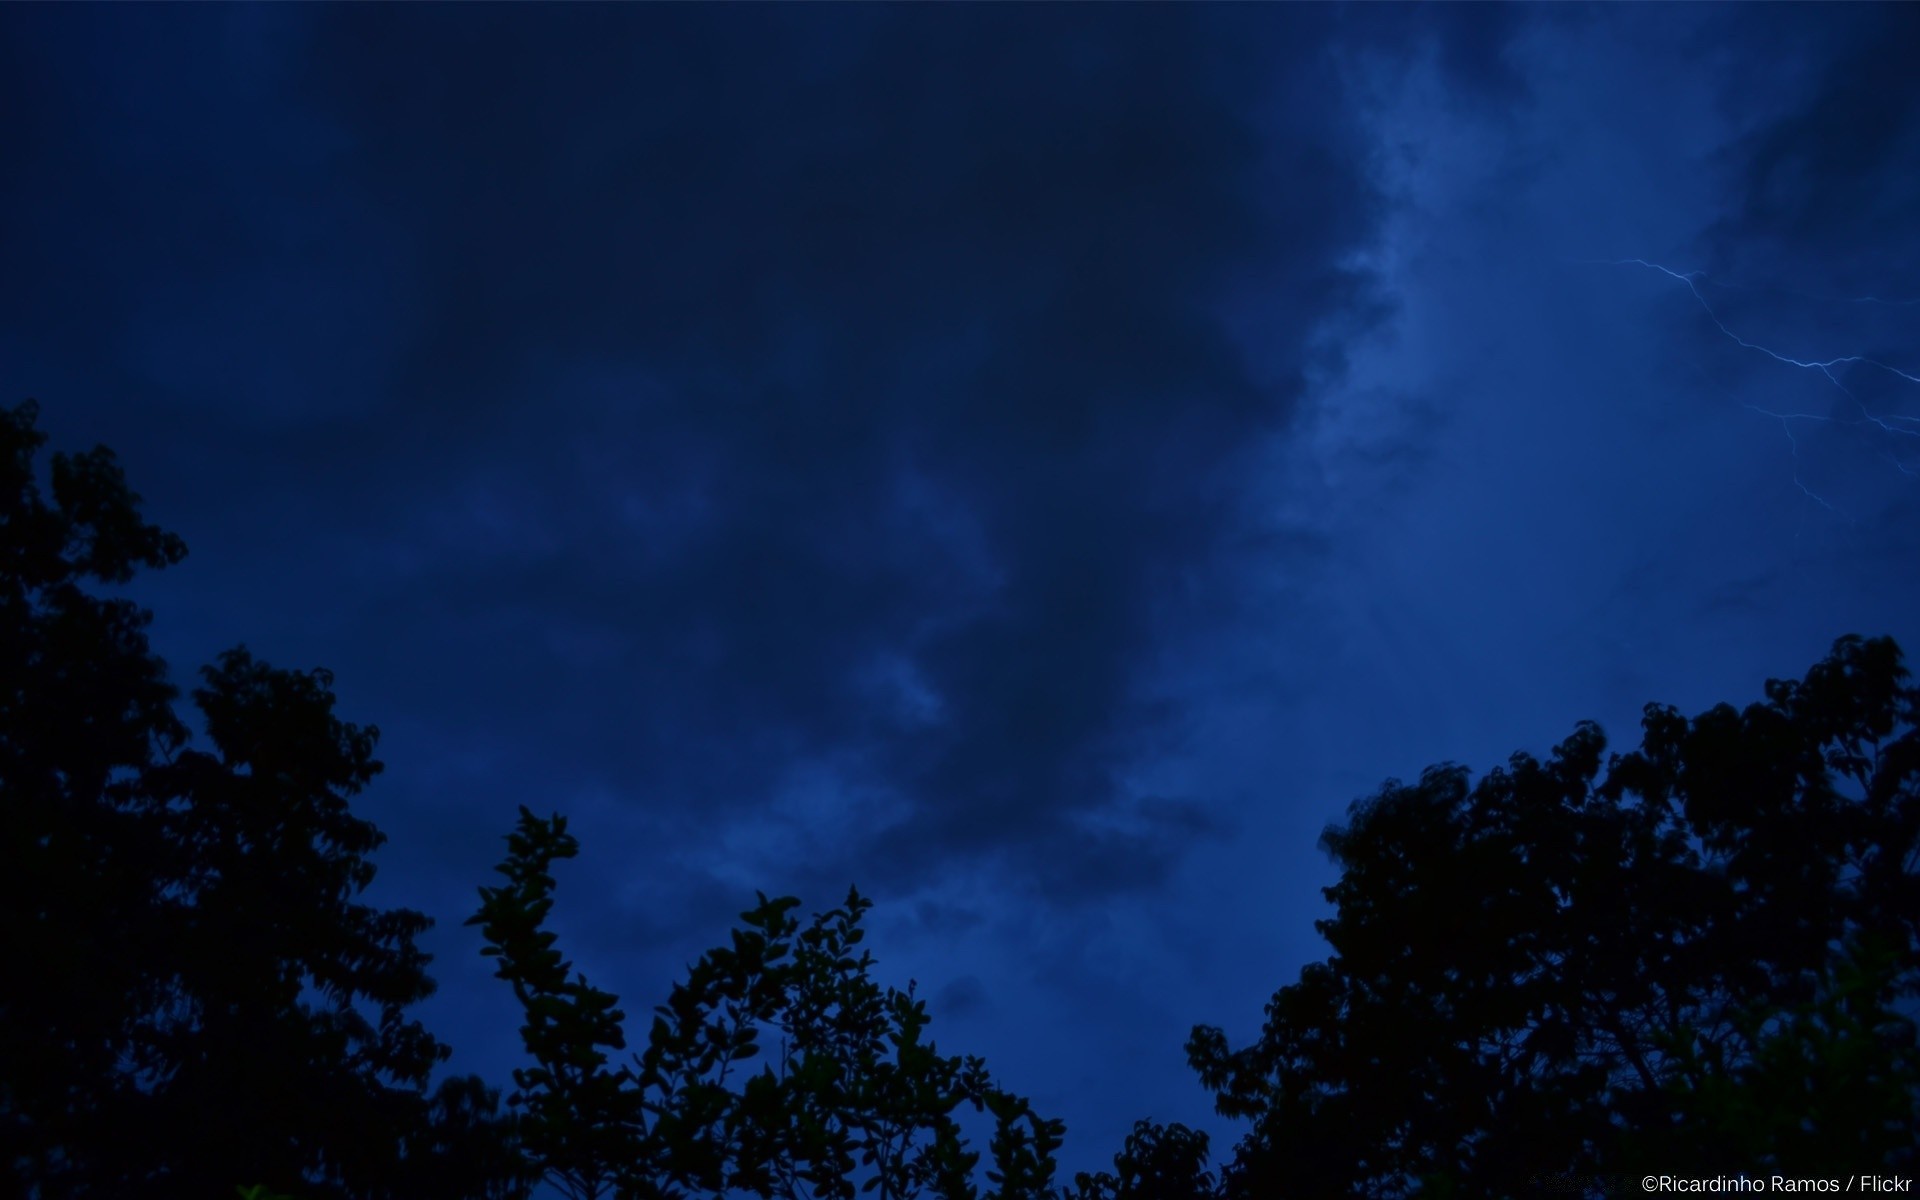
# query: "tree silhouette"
1704,962
855,1091
186,969
1158,1162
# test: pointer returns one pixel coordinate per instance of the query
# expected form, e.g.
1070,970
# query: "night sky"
1036,464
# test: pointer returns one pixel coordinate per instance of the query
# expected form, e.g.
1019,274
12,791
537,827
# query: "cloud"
963,997
871,412
1825,179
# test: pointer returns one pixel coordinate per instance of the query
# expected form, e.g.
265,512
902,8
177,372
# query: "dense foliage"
188,978
855,1090
1703,960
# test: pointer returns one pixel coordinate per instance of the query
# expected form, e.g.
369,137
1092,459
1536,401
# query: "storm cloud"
1037,463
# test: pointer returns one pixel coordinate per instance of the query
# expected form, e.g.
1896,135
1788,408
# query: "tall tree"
85,707
186,972
856,1101
1707,958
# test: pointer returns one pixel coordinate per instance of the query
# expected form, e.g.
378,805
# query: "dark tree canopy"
1158,1162
187,974
1703,957
855,1102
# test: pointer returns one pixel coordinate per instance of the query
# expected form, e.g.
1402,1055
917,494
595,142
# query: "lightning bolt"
1889,429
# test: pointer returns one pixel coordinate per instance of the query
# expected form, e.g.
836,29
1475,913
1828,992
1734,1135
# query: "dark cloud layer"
1831,179
864,404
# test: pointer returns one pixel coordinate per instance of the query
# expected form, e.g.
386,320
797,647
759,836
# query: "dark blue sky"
1038,464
